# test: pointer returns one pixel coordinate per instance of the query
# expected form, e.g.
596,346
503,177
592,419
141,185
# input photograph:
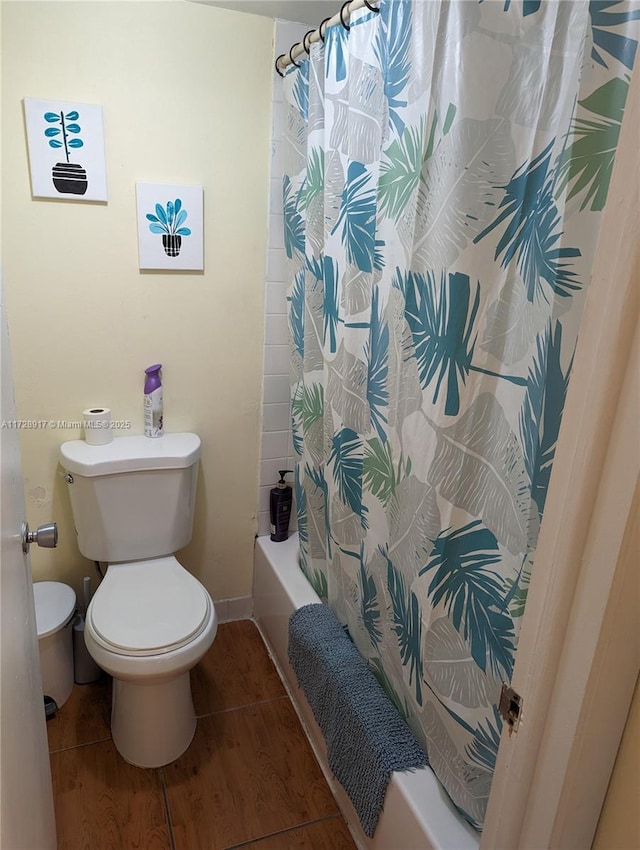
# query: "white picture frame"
170,227
66,150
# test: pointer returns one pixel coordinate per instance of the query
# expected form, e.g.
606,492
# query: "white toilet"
150,621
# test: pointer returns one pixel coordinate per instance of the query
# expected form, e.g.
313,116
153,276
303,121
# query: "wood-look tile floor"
249,778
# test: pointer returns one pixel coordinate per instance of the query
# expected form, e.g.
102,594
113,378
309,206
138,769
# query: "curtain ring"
282,56
342,8
321,31
370,7
291,59
304,41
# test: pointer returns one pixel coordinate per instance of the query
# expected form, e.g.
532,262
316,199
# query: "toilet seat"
146,608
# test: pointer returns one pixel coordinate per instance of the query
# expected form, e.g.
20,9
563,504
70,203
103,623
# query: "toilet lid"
55,603
148,607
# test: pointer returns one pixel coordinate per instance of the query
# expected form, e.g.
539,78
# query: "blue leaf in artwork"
181,216
157,228
170,212
75,143
52,131
73,128
184,231
51,117
72,116
55,143
151,217
178,207
162,216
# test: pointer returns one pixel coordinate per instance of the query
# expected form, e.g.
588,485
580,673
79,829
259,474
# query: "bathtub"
417,814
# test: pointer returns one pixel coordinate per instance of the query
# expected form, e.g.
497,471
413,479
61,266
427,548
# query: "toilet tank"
133,498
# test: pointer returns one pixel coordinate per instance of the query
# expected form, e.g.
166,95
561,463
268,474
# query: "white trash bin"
55,607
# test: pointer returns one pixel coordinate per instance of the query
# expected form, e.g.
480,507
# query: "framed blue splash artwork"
170,226
66,150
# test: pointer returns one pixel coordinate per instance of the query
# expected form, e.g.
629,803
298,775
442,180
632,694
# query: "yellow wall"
619,825
182,104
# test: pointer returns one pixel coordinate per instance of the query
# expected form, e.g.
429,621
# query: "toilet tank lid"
130,454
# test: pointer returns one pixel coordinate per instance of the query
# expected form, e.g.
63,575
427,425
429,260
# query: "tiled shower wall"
277,450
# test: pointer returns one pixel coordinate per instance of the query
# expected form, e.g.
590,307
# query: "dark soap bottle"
280,501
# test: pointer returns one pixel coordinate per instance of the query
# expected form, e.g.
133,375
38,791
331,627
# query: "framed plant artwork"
66,150
170,226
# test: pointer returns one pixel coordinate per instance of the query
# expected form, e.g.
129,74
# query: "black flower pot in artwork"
172,244
69,178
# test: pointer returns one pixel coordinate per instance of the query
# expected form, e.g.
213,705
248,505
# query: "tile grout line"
246,716
167,811
198,717
75,746
244,705
251,841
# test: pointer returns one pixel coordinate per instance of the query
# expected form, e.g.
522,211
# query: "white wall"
181,104
277,450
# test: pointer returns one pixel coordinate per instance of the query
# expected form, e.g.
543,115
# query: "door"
26,809
579,649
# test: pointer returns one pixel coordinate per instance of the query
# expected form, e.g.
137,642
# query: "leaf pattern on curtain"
588,161
472,595
479,467
357,220
532,233
369,606
407,626
451,670
439,229
606,17
455,200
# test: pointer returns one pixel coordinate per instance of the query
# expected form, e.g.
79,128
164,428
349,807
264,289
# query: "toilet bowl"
147,625
150,621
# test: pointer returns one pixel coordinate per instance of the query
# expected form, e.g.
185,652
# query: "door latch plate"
510,707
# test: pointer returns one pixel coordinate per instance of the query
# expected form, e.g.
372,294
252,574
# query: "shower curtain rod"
301,47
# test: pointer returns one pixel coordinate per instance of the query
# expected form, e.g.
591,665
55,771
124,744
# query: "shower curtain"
446,167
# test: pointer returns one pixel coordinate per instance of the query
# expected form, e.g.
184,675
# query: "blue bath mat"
366,737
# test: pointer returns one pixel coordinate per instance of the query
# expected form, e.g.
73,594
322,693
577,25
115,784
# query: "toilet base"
152,723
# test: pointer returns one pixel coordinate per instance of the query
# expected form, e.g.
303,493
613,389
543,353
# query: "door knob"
44,535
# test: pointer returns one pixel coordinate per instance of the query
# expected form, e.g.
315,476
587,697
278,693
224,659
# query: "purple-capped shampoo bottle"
153,426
